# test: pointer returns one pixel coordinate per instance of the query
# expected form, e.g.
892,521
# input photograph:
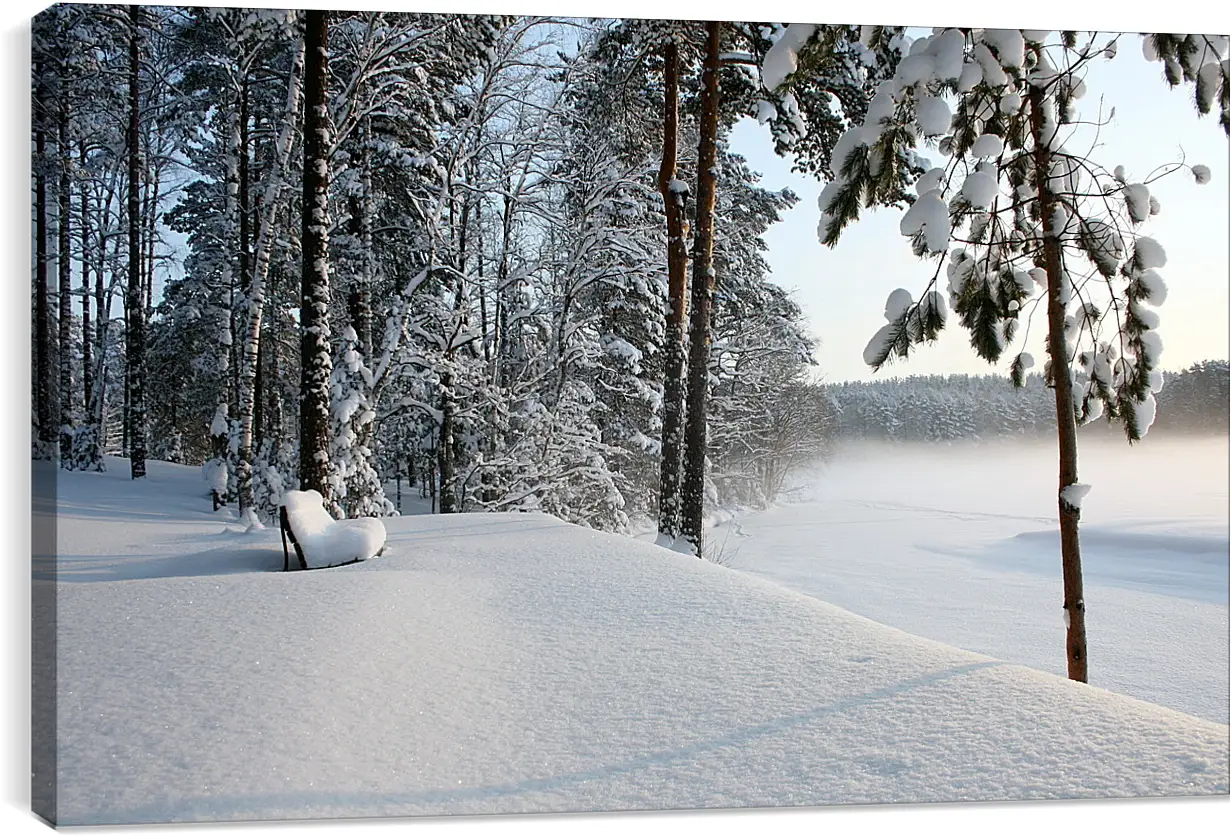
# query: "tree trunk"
135,332
677,273
42,325
255,302
64,265
315,360
87,337
444,446
1066,421
241,208
693,487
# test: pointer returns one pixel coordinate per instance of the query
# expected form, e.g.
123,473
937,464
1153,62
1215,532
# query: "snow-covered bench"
319,540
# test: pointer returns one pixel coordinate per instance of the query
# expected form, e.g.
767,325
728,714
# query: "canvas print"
459,414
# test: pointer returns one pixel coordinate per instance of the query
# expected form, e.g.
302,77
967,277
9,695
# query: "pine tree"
1027,212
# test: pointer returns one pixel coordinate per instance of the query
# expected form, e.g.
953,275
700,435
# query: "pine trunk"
42,325
315,360
677,273
135,331
693,486
1066,420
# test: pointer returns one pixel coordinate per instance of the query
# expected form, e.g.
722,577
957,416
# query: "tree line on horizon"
953,408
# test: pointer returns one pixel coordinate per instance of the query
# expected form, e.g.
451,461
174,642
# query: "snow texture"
782,58
933,115
930,216
899,300
988,145
1137,200
980,189
1149,253
1154,286
513,663
324,541
1074,493
877,346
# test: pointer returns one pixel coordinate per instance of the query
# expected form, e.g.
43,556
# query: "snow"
899,300
1149,253
1074,493
930,215
1155,287
1009,45
1145,410
917,68
933,115
1210,76
972,74
782,58
219,426
980,189
911,536
875,350
988,145
993,72
1137,200
494,664
931,179
324,541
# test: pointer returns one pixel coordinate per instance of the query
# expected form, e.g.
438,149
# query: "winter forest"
597,530
511,263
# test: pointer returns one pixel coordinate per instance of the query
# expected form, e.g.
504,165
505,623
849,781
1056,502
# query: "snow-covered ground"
959,544
514,663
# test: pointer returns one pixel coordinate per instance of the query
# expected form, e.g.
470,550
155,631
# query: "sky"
842,290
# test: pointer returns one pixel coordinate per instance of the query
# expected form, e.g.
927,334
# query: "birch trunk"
274,185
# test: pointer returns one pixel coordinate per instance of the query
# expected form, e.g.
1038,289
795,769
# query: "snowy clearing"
514,663
960,544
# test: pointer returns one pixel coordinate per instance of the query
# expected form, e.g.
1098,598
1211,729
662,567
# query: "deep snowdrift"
491,663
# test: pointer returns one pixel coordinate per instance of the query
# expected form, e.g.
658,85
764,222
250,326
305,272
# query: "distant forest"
959,407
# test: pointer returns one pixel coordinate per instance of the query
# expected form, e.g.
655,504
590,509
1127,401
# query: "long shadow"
359,804
221,561
1193,568
121,508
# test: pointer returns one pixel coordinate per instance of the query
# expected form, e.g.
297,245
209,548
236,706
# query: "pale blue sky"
843,290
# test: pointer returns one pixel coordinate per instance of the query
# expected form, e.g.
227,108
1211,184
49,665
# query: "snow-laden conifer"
1023,204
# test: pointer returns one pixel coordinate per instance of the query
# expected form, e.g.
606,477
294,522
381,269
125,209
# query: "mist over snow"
959,543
